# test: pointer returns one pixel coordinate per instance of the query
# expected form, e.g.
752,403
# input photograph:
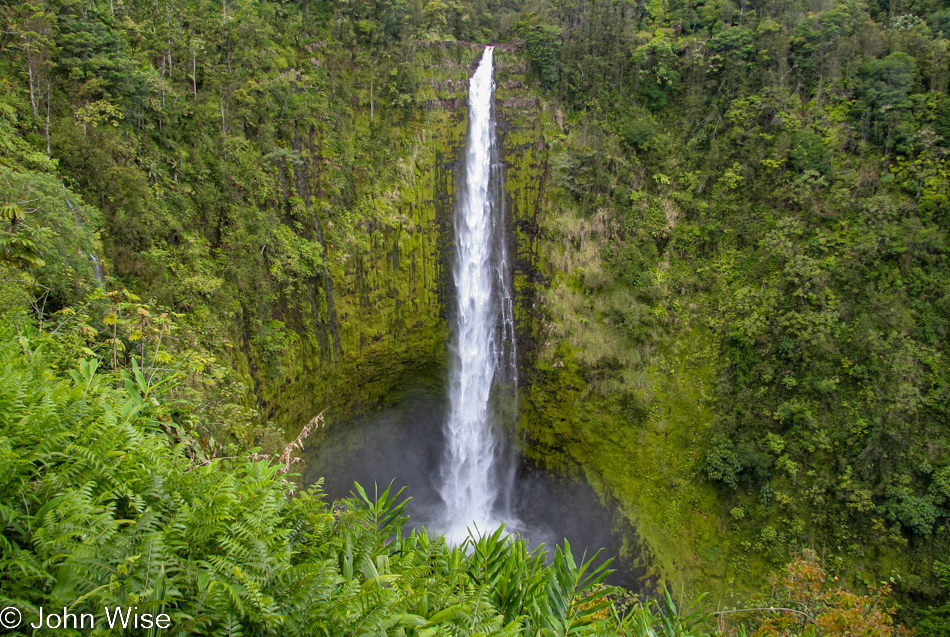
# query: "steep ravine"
379,313
373,330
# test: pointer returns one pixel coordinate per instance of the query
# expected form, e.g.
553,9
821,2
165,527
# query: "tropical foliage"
105,501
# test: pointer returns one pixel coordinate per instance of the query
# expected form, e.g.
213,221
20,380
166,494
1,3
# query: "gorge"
477,475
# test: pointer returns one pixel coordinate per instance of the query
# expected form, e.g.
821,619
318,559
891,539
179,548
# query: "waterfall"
96,265
474,471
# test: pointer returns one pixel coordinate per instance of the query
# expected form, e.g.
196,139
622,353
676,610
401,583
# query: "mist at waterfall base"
404,444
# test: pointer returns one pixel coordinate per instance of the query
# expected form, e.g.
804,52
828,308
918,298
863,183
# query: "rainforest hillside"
730,232
748,290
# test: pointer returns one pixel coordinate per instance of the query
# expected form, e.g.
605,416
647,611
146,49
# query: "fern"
100,506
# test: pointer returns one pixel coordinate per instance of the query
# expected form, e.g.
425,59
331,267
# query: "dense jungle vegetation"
739,304
110,498
759,205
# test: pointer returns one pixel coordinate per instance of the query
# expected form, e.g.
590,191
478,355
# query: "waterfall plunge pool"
404,443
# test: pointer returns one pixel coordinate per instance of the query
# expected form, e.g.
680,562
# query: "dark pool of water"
404,444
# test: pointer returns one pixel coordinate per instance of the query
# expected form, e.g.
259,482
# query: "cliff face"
376,319
379,322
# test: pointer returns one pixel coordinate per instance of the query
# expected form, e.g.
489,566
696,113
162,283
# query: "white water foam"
473,483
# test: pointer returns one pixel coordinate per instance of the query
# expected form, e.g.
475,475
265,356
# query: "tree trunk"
224,128
49,154
29,71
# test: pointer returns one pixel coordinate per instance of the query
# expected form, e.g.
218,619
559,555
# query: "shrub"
722,463
808,152
638,132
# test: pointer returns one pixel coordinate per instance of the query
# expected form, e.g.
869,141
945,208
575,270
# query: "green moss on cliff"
377,314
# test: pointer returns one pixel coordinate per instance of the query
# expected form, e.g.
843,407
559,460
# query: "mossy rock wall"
376,318
632,431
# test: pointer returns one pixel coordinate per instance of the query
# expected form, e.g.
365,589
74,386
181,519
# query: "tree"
544,44
883,96
817,606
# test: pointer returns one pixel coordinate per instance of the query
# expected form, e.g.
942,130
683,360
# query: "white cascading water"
484,330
